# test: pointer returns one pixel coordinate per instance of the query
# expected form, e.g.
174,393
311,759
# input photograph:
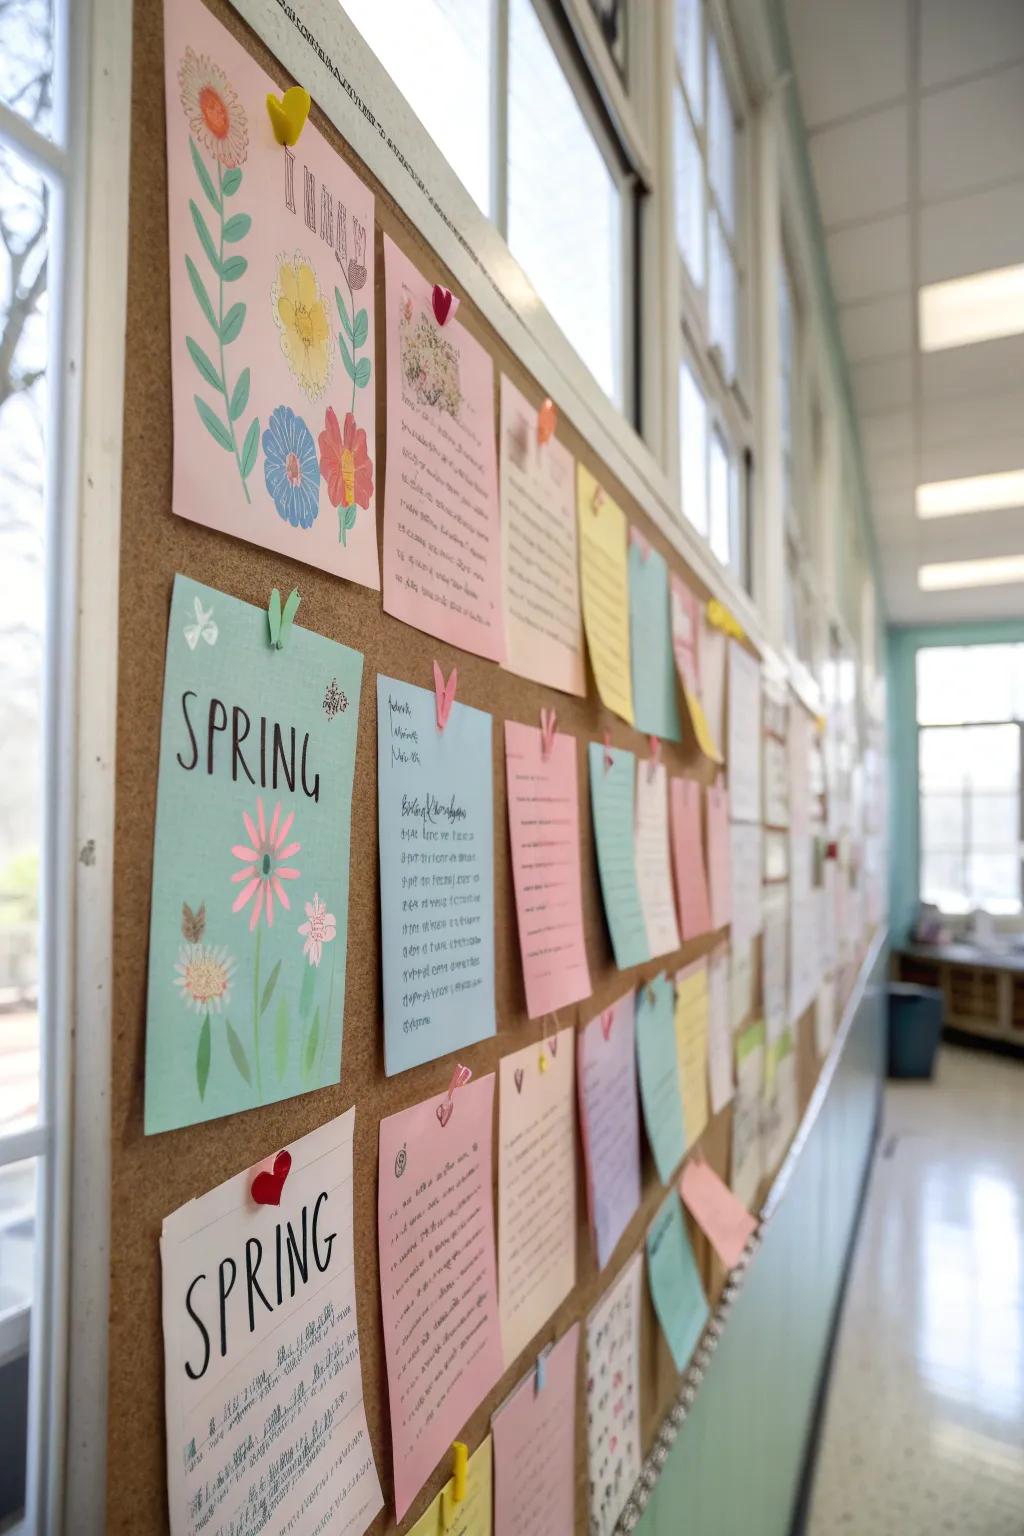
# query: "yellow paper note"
701,729
604,583
470,1518
691,1021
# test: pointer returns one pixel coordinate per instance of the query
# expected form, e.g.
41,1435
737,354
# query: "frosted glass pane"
26,61
693,450
942,822
689,54
722,297
689,188
721,138
964,683
993,756
942,758
564,206
719,499
438,53
994,881
943,882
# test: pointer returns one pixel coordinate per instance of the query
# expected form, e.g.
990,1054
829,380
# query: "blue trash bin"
915,1029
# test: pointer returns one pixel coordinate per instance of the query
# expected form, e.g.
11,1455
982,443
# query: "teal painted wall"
736,1464
902,646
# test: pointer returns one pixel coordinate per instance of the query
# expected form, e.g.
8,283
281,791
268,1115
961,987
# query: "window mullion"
499,115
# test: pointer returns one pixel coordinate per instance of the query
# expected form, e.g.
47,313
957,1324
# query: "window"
706,184
969,709
693,436
710,483
542,161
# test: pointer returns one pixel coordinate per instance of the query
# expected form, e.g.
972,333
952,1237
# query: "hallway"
924,1426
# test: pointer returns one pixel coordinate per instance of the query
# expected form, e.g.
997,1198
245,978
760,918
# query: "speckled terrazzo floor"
924,1426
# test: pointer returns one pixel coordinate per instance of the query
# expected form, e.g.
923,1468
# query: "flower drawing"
215,115
430,364
318,929
264,866
345,466
301,317
290,468
204,975
356,271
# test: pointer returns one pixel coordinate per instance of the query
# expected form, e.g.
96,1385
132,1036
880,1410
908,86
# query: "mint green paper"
613,803
655,698
658,1074
674,1280
249,913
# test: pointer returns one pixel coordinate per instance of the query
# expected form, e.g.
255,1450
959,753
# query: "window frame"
967,795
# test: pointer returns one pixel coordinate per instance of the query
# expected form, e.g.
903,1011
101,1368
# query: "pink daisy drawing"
319,929
264,864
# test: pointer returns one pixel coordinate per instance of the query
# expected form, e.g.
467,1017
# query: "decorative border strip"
693,1376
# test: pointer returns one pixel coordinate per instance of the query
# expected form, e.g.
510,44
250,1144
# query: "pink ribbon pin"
460,1077
607,1020
655,759
445,694
637,538
548,723
609,761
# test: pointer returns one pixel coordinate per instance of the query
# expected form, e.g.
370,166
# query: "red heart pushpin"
547,419
267,1186
441,300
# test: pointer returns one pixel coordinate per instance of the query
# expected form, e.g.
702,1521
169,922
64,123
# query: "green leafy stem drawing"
356,329
226,327
315,1022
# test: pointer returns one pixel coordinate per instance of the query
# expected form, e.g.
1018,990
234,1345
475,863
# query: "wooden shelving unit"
982,991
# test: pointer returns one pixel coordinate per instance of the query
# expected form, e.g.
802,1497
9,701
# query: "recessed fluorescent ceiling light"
974,493
976,308
970,573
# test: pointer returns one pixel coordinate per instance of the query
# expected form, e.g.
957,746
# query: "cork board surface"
153,1176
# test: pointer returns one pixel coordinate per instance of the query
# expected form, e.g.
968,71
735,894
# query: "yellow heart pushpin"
288,116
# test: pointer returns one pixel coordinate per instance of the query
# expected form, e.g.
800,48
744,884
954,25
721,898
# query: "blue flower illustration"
290,467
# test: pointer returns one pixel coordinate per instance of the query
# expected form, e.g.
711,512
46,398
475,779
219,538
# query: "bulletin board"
153,1176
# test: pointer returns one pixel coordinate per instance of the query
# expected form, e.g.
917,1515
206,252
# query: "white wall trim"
104,62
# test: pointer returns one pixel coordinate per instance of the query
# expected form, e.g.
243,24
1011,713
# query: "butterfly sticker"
204,627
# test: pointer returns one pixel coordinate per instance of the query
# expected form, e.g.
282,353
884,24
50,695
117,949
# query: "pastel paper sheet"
719,1030
612,798
712,651
543,624
688,859
686,628
653,871
672,1275
726,1223
604,587
745,861
658,1074
536,1187
610,1122
747,1166
436,824
443,1517
544,827
613,1398
744,741
719,856
655,708
439,1302
825,1016
249,911
779,1112
442,530
774,951
691,1024
272,314
534,1435
741,984
263,1379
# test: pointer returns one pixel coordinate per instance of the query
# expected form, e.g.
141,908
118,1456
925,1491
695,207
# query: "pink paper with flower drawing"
442,532
272,331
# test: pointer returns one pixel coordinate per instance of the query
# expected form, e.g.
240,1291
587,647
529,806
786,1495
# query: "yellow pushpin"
460,1471
719,617
543,1063
288,116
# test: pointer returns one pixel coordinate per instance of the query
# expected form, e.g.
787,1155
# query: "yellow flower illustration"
301,317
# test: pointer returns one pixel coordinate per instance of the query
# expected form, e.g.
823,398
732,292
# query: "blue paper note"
672,1274
436,875
612,800
658,1071
249,914
655,703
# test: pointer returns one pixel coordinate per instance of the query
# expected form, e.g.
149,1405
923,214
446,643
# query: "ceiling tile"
972,135
985,369
882,385
877,327
870,259
860,167
973,233
959,39
891,432
891,474
985,417
973,456
848,57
